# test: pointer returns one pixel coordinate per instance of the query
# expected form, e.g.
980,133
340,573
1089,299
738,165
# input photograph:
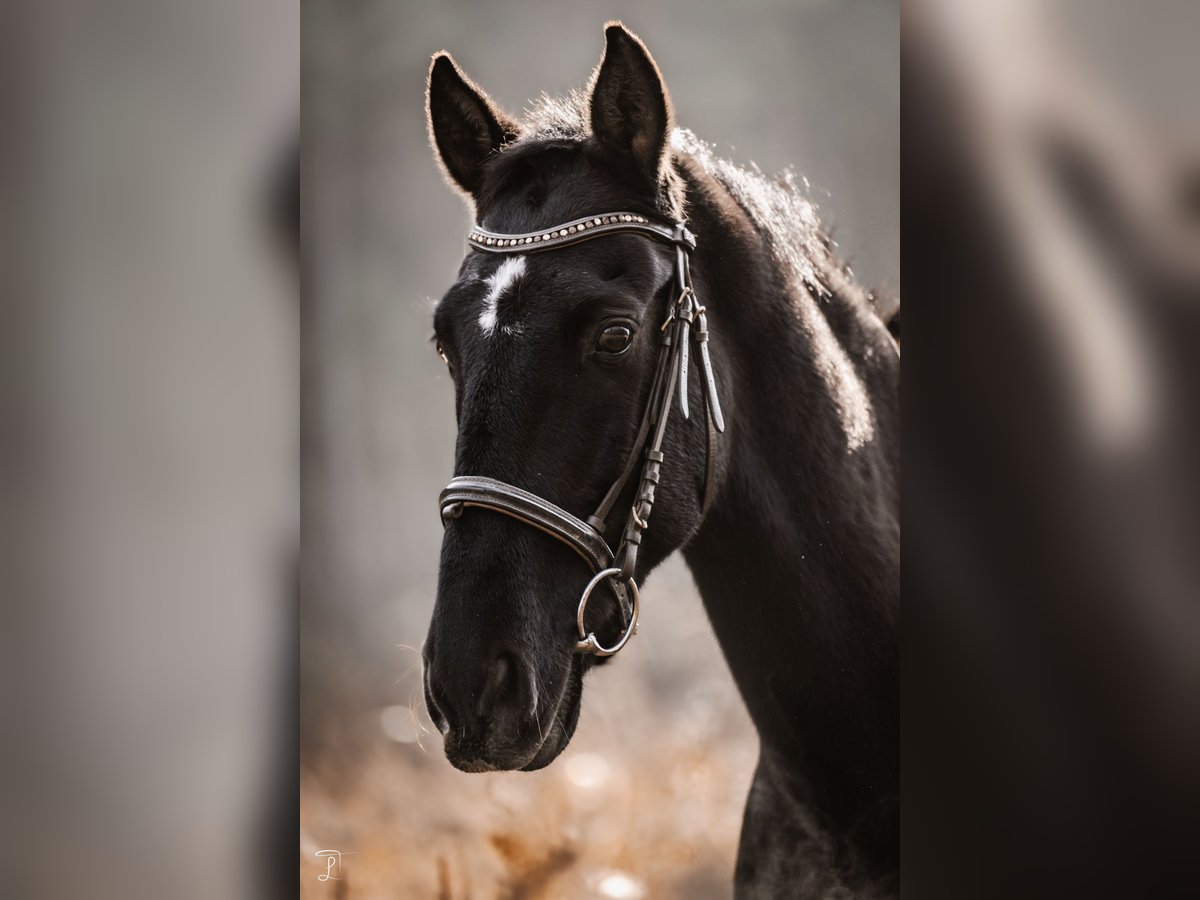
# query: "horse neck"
798,559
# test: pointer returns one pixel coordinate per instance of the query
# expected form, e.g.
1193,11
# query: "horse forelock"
565,116
550,118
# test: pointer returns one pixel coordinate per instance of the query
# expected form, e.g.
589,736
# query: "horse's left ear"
631,112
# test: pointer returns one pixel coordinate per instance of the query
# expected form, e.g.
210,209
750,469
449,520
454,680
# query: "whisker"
420,661
407,672
412,711
416,716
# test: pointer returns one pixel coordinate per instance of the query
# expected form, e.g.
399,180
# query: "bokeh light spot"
620,886
399,724
587,770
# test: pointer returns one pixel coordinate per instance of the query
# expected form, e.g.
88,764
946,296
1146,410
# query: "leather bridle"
686,320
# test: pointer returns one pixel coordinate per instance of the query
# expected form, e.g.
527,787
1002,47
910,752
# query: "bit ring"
587,640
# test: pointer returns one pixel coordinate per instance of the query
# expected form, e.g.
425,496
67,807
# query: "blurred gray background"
811,84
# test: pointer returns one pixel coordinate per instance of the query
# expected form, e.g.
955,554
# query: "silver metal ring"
587,640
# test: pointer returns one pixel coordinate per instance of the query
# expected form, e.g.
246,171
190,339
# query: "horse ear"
464,125
631,112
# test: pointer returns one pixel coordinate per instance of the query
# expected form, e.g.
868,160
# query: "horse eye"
615,339
441,351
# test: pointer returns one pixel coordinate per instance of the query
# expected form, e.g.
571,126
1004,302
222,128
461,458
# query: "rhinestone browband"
576,231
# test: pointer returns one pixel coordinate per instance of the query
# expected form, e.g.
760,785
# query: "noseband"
685,321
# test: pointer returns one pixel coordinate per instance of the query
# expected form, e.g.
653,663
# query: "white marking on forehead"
506,274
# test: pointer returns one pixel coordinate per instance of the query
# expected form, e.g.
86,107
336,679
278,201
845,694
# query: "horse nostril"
473,698
503,684
501,671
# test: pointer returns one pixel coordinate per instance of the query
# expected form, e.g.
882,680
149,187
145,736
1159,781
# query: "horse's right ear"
631,112
464,125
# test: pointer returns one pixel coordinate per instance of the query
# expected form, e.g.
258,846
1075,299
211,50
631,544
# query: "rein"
686,321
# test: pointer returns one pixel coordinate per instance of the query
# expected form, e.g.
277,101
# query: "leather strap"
599,518
489,493
498,496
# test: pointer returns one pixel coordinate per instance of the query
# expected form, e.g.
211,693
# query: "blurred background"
148,430
1052,499
647,800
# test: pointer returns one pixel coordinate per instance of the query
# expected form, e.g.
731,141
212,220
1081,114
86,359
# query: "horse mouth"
563,725
533,747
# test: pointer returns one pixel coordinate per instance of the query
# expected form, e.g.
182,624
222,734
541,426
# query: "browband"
579,230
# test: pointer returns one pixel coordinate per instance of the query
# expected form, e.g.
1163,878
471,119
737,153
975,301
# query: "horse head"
554,358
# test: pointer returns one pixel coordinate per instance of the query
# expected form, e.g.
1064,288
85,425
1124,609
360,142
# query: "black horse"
553,356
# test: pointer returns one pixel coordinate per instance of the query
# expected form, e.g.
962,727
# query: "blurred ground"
653,784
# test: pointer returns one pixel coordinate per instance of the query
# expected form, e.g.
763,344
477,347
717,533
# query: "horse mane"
779,206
